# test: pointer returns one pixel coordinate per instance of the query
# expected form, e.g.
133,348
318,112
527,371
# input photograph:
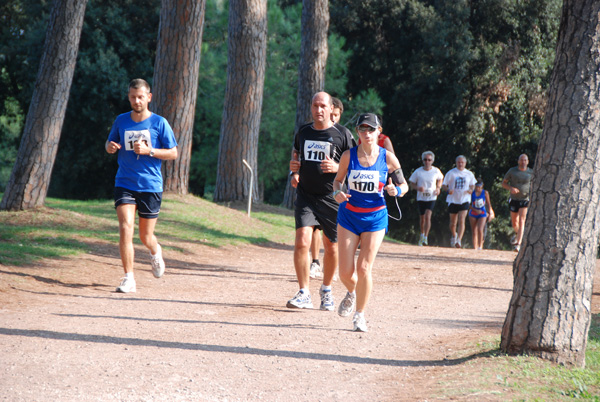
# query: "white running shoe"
127,285
300,300
347,305
360,324
513,240
421,240
326,300
425,241
452,241
158,264
457,244
316,270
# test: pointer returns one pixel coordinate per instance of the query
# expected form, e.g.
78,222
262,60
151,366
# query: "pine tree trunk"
247,50
30,177
549,313
176,81
311,70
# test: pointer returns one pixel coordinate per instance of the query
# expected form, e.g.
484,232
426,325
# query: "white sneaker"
452,241
300,300
425,241
327,303
127,285
360,323
513,240
347,305
457,244
158,264
421,240
316,270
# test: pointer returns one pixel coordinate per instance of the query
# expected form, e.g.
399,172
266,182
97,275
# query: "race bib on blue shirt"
364,181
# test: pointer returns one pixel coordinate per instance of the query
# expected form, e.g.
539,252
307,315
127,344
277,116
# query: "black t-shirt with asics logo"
314,146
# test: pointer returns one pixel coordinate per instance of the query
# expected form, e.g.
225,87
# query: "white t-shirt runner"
426,179
459,181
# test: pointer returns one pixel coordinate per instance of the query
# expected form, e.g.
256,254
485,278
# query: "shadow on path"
68,336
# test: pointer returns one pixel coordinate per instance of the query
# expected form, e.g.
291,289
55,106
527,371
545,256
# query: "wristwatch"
292,173
152,152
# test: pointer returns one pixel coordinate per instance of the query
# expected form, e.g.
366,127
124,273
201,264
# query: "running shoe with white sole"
158,264
347,305
316,270
326,300
127,285
360,323
300,300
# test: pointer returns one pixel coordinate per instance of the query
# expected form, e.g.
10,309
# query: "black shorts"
148,204
317,210
515,205
456,208
425,205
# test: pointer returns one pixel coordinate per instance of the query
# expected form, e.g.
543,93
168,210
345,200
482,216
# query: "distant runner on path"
518,180
427,180
143,140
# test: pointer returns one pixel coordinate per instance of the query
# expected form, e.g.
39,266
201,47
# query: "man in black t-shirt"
319,146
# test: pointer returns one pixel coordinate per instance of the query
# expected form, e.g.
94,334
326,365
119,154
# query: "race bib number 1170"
364,181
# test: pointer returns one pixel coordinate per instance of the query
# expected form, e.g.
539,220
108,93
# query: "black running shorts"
148,204
317,210
456,208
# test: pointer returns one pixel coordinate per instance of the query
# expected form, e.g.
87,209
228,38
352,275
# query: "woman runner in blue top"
362,215
480,212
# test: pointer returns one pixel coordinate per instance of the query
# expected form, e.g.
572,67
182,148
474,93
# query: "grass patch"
67,227
485,372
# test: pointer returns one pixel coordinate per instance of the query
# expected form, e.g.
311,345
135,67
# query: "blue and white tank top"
365,184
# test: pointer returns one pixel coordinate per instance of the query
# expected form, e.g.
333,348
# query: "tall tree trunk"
549,313
311,70
176,81
247,51
30,177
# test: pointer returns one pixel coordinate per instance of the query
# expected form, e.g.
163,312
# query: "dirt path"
215,327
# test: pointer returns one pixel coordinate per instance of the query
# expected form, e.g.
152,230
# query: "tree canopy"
453,77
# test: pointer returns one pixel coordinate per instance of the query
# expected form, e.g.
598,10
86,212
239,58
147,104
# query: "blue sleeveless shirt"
365,184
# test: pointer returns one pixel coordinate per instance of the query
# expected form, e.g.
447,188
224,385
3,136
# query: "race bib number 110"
316,151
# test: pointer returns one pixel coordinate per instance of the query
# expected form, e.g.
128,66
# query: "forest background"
451,77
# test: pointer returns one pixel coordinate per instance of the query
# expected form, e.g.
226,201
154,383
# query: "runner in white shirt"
427,180
459,183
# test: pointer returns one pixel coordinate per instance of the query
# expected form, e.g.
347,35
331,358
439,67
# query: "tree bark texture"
549,313
247,51
311,70
176,81
30,177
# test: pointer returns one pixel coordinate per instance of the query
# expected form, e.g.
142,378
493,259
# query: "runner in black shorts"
142,140
517,181
319,146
